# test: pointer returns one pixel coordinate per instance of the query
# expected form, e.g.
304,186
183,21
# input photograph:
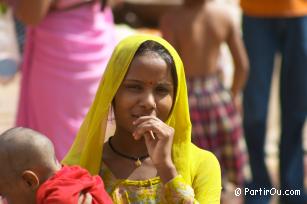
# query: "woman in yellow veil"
150,157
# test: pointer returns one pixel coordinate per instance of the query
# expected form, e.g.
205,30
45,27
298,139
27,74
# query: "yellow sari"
198,168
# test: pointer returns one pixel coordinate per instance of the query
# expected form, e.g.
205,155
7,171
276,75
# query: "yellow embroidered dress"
199,179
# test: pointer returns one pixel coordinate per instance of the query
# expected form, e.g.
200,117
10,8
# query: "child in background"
30,173
197,33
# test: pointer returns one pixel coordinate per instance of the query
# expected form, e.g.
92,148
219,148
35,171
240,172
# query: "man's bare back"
197,29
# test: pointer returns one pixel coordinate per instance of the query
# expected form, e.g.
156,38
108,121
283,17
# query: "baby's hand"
1,200
85,199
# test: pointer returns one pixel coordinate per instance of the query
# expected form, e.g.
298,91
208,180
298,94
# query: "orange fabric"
274,8
67,184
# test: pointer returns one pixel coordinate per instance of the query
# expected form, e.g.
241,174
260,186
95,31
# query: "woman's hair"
150,46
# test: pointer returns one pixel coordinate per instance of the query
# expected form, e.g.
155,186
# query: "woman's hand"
85,199
160,146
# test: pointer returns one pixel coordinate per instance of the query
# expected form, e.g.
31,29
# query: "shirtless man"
197,30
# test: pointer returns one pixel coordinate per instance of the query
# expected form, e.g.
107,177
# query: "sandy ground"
8,103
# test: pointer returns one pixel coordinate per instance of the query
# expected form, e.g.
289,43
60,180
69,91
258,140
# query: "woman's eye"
134,87
163,90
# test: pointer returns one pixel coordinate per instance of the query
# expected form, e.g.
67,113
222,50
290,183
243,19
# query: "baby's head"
27,159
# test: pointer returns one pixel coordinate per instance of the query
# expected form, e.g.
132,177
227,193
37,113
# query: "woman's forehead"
149,67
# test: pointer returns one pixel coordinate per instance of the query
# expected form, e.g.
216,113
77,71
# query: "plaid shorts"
217,125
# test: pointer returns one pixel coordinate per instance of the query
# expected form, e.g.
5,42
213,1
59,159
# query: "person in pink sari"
68,44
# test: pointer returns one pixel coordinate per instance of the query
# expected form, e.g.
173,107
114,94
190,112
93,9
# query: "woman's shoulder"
206,175
201,152
203,157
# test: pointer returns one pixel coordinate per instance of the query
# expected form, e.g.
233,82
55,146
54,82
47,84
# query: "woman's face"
147,90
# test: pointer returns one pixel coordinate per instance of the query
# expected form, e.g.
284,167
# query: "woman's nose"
148,100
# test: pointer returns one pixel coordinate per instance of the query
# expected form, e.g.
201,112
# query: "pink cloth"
65,57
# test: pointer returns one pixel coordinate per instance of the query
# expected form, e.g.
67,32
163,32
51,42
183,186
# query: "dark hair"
103,4
155,47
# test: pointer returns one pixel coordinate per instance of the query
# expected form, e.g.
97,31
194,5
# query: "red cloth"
67,184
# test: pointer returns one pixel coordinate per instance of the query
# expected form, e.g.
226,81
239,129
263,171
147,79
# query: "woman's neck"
126,144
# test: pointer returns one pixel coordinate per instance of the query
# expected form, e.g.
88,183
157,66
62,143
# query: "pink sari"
65,57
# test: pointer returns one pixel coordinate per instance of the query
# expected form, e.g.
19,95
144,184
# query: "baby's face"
4,187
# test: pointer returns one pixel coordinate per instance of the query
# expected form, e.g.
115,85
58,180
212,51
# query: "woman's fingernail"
152,135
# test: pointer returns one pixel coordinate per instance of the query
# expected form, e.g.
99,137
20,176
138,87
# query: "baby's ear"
30,179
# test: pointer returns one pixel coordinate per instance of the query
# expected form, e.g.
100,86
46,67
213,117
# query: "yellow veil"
86,150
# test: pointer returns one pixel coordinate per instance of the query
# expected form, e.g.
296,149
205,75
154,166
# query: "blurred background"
132,16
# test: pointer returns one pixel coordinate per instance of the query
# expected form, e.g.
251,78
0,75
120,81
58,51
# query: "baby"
30,172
